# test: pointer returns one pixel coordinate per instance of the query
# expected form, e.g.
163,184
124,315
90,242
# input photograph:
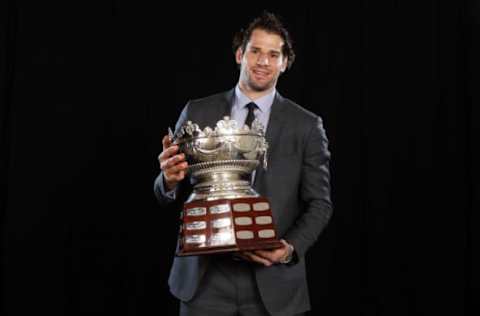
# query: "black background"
87,91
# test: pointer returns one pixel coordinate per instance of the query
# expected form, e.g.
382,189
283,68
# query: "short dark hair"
270,23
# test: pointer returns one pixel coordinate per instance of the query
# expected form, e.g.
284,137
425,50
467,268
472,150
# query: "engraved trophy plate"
196,225
195,239
266,233
219,209
196,211
245,234
242,221
224,213
262,206
221,222
223,238
241,207
263,220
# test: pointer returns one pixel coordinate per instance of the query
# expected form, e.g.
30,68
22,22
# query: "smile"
261,73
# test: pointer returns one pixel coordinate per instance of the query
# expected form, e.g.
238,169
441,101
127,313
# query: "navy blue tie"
250,116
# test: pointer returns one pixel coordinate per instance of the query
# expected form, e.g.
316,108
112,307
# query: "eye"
274,55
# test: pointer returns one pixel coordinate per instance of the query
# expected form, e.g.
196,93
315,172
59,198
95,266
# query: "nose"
262,59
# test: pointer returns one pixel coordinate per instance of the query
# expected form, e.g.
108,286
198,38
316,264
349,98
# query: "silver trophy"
224,213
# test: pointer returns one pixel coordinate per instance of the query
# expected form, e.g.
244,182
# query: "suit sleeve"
314,191
166,197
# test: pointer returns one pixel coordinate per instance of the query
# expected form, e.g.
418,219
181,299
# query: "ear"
239,55
284,65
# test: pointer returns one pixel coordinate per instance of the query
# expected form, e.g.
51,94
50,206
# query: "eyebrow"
270,51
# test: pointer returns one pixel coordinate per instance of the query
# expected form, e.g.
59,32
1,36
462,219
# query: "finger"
266,255
167,153
170,162
273,255
166,142
177,177
258,259
175,161
183,166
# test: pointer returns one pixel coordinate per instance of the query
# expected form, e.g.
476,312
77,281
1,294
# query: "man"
263,282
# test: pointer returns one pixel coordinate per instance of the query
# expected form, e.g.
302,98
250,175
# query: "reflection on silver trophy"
224,213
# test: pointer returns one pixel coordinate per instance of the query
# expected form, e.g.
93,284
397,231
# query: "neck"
253,94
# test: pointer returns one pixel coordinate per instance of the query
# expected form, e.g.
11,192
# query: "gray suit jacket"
297,184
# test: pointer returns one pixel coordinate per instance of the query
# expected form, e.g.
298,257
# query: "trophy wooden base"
227,225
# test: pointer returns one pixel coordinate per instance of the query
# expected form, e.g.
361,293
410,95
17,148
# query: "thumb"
166,142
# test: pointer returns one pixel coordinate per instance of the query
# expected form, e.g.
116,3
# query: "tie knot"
251,106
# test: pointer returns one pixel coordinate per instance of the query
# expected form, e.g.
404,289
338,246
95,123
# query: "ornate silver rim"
223,165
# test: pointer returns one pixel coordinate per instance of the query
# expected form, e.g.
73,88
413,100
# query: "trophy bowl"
224,213
221,160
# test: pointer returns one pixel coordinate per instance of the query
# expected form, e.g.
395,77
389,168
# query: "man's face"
262,62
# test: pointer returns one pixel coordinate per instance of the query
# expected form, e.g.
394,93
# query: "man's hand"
172,164
266,257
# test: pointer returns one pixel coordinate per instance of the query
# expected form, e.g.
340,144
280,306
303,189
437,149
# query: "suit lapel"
226,107
275,122
210,115
275,125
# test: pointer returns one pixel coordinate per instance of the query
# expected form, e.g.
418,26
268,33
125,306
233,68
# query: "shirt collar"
264,103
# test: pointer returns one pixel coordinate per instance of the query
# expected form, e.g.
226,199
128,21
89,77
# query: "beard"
259,86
